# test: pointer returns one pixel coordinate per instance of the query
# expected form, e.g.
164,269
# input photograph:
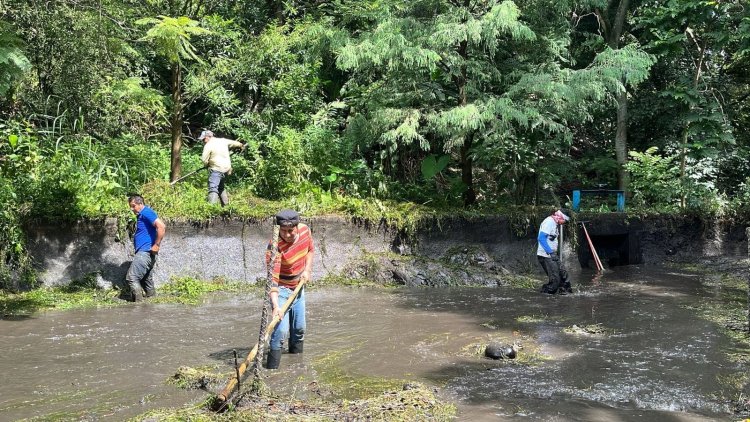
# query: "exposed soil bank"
484,250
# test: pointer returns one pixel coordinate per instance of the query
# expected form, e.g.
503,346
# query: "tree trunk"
747,234
467,170
621,141
467,174
612,33
686,132
276,10
176,122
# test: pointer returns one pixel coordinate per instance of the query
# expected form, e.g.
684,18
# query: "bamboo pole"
227,391
560,243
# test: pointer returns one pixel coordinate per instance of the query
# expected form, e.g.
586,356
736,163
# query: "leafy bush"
656,184
654,180
16,271
127,106
282,167
83,177
740,203
19,154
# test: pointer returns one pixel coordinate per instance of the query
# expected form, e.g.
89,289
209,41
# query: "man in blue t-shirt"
546,254
149,231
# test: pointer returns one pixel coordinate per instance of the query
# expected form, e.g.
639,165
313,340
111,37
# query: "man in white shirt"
546,254
216,157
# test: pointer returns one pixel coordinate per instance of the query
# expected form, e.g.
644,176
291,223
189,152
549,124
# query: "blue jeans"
295,318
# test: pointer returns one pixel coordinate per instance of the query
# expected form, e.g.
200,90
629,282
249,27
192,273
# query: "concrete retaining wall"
235,248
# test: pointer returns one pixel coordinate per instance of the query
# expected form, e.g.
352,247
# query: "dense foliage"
355,104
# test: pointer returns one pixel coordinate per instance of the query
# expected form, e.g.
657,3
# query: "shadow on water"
655,360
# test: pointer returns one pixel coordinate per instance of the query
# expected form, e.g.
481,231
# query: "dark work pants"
558,281
140,277
216,185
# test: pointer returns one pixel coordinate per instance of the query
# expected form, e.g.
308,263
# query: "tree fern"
13,62
171,36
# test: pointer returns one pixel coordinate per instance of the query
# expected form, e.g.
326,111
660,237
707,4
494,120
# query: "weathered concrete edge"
234,248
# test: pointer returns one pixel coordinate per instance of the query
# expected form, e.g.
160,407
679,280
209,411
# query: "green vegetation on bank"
85,293
56,298
386,111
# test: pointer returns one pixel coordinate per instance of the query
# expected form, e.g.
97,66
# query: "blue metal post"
621,201
576,200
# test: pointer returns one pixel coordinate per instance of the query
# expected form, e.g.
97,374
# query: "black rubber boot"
295,348
274,359
136,296
136,293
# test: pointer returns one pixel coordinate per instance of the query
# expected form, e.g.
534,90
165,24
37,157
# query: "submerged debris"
500,351
593,329
494,346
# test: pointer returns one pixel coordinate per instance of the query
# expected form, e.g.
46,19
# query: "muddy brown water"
659,361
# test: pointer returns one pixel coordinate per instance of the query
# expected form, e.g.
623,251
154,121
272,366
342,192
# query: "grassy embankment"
186,202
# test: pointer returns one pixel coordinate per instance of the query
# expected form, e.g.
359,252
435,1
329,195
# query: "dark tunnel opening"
613,250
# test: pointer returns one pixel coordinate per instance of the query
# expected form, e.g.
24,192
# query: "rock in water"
499,351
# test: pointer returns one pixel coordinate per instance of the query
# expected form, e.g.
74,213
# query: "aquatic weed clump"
79,294
533,319
197,378
86,293
189,290
411,402
345,385
591,329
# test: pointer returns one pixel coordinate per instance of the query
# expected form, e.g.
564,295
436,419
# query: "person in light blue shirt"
546,254
149,232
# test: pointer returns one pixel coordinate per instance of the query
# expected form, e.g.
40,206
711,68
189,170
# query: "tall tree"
74,48
612,19
171,37
695,43
475,80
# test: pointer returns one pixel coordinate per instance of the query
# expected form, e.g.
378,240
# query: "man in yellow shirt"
216,157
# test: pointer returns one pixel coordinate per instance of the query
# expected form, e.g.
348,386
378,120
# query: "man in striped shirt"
293,265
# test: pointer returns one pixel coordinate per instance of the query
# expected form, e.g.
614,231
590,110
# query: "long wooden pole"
172,183
227,391
560,243
597,261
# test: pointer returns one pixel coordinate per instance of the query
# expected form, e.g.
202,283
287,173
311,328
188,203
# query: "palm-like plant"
171,37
